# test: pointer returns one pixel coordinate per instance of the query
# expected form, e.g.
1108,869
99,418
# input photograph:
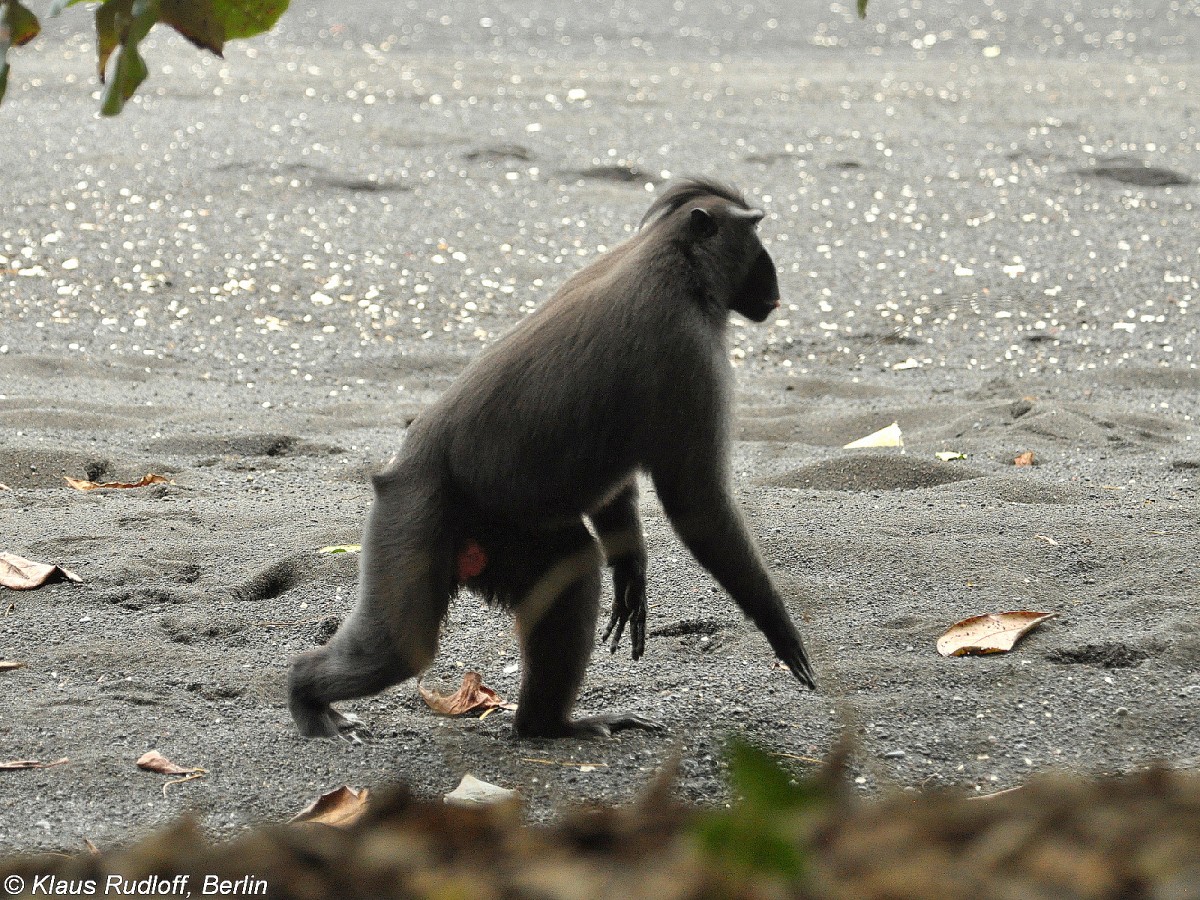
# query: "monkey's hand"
629,605
795,657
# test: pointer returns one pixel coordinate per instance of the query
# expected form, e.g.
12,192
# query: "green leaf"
761,833
110,19
17,26
210,23
862,9
130,70
198,22
58,6
760,781
246,18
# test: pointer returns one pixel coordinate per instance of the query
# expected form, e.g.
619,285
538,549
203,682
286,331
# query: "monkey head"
758,295
752,281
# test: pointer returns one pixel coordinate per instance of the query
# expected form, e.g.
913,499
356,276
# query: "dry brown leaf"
338,808
989,633
14,764
1025,459
21,574
146,480
471,695
92,848
5,487
8,665
153,761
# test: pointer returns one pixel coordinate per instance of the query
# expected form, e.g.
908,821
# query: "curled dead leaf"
338,808
81,484
4,487
153,761
1025,459
21,574
989,633
471,695
8,665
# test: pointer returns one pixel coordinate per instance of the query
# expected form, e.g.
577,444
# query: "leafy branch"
122,24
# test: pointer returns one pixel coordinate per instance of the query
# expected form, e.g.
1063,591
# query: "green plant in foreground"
121,25
764,831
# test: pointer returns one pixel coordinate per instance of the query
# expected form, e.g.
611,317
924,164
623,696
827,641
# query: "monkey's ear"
753,216
702,223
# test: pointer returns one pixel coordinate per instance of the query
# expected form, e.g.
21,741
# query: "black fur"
692,190
623,370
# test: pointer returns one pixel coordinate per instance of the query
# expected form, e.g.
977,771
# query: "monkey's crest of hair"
689,190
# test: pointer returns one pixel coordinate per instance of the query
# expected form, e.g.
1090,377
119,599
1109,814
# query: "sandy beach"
985,224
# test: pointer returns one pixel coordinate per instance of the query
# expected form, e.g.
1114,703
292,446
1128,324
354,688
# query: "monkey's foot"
327,722
589,727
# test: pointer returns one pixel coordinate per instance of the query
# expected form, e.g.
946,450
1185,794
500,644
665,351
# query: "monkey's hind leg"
557,623
392,633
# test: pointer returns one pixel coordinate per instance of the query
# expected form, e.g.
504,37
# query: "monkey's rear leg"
392,633
351,665
557,624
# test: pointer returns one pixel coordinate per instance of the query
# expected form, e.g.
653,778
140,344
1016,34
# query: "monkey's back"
552,418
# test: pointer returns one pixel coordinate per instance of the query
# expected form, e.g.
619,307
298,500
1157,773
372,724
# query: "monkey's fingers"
616,621
801,668
350,727
606,725
637,632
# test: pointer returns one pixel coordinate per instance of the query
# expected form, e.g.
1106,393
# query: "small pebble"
894,754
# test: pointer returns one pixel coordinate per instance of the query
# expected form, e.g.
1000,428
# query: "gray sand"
252,280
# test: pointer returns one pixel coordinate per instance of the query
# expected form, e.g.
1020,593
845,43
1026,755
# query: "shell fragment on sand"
884,437
473,792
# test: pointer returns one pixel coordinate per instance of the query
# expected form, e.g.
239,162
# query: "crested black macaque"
624,370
